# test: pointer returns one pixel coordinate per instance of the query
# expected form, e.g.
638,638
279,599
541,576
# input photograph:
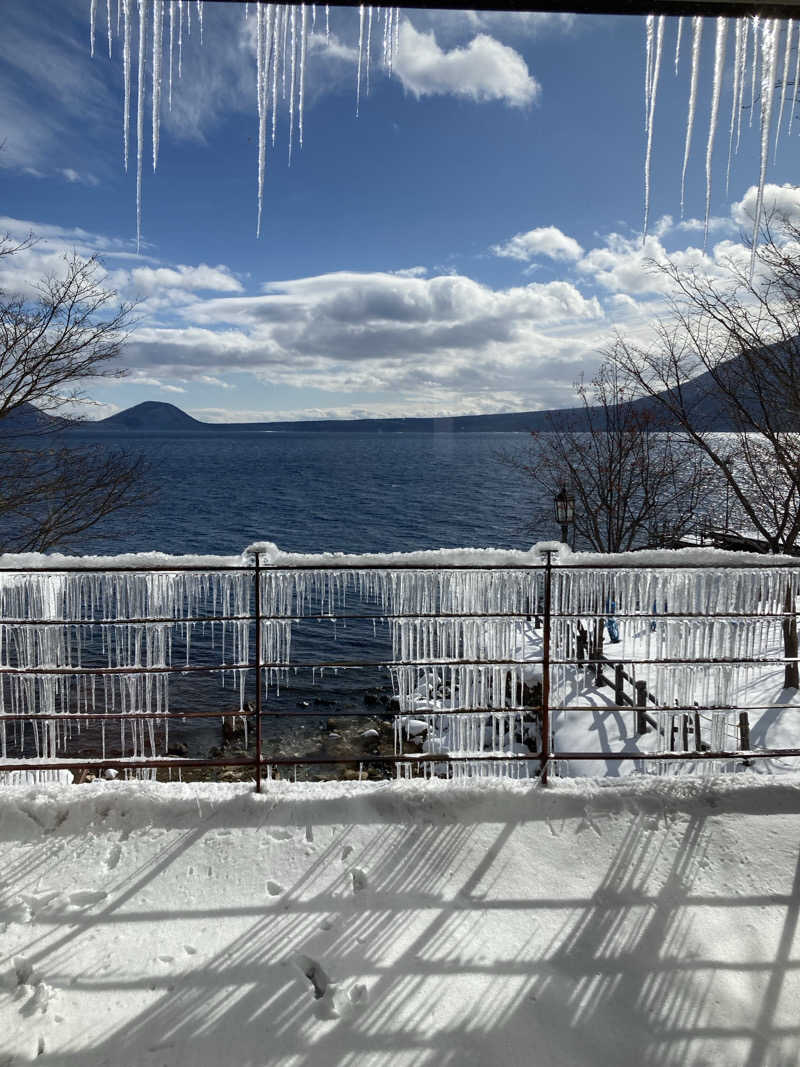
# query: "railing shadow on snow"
622,961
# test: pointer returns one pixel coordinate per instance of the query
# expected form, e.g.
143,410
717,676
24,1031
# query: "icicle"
735,94
108,25
261,77
360,54
158,28
754,64
327,24
200,18
180,38
285,48
786,58
92,17
648,68
678,45
369,44
302,90
653,80
770,39
171,45
719,63
126,77
745,24
140,118
276,29
697,36
292,83
796,85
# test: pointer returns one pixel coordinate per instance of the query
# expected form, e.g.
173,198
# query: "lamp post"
565,512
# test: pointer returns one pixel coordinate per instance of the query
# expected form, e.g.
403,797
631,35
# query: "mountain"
149,417
700,395
27,419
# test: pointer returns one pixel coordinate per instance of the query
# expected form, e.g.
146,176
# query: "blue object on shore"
611,623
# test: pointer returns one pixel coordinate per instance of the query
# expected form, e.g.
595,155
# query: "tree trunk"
791,679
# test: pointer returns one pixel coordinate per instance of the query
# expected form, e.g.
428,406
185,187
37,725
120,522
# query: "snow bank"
413,923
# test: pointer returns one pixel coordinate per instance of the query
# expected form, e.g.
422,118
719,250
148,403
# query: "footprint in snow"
359,878
274,888
347,851
113,857
84,898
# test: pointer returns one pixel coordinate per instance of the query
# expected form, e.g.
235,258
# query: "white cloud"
780,201
544,241
484,69
75,177
154,279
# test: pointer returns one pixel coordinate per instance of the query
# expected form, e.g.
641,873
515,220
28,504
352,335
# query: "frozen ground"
401,924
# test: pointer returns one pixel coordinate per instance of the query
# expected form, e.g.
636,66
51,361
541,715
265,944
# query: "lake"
311,492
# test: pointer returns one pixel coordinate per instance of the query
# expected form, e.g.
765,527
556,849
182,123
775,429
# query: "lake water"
311,492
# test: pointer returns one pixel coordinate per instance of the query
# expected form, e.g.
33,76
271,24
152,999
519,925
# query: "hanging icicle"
697,38
719,62
653,92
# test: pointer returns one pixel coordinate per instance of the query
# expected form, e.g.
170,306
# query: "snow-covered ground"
401,924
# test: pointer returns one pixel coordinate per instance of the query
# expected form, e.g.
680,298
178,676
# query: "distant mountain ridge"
701,397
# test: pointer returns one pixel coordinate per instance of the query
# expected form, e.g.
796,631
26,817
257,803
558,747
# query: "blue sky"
467,244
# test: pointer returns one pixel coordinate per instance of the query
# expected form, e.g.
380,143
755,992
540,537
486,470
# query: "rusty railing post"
548,582
257,609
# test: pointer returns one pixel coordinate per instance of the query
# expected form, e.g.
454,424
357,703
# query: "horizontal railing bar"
135,622
134,762
345,665
144,569
397,565
387,616
324,712
751,753
82,716
319,713
374,616
81,670
680,709
663,615
722,660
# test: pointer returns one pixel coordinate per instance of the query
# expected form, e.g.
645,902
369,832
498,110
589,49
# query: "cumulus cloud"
484,69
153,279
448,339
544,241
780,201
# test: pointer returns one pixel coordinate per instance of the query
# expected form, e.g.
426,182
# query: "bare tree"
629,473
727,356
70,329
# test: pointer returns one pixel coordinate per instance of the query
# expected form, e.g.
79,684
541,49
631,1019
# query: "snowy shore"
403,923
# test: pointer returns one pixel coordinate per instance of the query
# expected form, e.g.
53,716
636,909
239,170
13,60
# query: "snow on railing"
484,650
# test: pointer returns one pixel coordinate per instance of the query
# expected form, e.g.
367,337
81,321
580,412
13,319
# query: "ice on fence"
466,651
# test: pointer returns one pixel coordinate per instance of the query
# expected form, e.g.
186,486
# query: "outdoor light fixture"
565,512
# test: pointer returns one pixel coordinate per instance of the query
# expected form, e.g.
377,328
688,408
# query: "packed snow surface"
399,924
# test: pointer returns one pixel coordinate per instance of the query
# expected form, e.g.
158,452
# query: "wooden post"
744,731
583,643
641,704
685,731
698,741
619,684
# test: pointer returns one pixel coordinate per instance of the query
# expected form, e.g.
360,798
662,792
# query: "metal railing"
572,649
